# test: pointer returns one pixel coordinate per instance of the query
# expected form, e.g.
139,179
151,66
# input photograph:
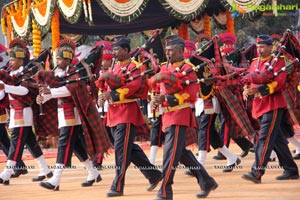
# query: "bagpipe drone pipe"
222,80
242,57
289,47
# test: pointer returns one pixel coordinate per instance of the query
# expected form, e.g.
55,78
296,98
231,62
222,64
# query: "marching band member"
176,118
123,116
21,116
77,114
269,106
4,139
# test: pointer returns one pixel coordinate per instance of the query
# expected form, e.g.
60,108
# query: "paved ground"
231,186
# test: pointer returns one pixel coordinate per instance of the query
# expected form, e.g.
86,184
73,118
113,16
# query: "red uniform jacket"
126,112
273,101
182,117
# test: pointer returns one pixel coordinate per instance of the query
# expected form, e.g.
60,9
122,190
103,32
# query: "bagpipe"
214,79
209,68
85,70
147,55
44,124
96,139
289,48
242,57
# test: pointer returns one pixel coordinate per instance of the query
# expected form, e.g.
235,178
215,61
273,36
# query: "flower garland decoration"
55,29
183,31
123,11
8,23
230,23
36,40
207,25
90,12
3,27
20,20
42,12
87,8
185,10
70,9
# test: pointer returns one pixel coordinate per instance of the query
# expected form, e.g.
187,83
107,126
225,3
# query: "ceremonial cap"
120,40
174,39
264,39
66,49
107,53
189,48
228,40
18,49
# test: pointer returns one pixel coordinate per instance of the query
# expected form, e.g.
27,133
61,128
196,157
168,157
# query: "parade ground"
231,185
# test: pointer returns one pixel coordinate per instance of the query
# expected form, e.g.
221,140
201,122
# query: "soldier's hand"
1,86
249,91
100,101
44,90
105,96
156,100
39,99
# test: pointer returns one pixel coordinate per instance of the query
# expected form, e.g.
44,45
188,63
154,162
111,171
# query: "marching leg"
93,174
7,172
54,181
45,172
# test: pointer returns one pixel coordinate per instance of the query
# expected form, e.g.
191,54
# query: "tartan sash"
236,110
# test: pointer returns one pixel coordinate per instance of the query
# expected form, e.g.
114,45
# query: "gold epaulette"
189,62
255,58
164,63
135,62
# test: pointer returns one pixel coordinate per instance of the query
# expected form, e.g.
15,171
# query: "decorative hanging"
55,28
230,23
20,22
185,10
207,25
71,9
123,10
42,13
183,31
36,40
87,8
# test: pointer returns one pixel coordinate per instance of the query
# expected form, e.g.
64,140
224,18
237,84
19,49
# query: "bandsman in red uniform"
123,116
107,59
177,117
269,107
21,115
